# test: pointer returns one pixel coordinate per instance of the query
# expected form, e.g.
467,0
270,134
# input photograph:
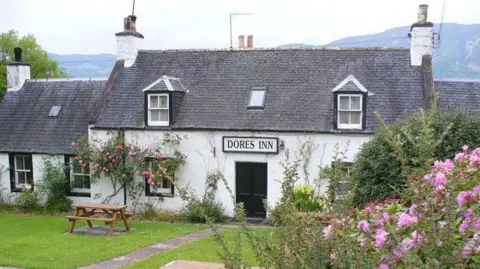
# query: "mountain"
86,65
457,53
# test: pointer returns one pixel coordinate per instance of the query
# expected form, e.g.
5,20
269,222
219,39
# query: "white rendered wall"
421,44
16,76
127,49
199,147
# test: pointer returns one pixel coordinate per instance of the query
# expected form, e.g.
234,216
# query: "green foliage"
28,200
149,212
55,186
379,174
306,200
41,65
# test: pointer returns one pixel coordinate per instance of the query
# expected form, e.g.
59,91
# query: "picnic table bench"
102,212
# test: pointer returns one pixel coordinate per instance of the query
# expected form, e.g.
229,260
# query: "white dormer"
350,98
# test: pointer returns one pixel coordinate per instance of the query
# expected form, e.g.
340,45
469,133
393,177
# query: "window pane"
165,184
355,117
163,115
86,182
76,168
19,162
155,115
29,176
344,102
153,101
343,117
86,170
257,98
77,182
28,163
163,102
355,102
21,177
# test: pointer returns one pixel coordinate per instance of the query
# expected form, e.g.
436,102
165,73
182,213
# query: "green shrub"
149,212
28,200
377,173
202,211
55,187
306,200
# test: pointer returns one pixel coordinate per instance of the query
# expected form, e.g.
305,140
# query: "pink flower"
81,162
384,266
406,220
411,243
466,198
449,165
158,155
439,179
459,155
327,232
118,147
380,238
333,256
73,144
362,241
465,148
440,190
363,226
150,181
476,189
412,208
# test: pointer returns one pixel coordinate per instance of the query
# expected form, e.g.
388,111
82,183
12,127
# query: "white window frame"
158,123
257,89
25,171
155,189
345,125
83,174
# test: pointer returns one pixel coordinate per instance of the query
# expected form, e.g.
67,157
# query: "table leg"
86,214
125,220
112,225
74,221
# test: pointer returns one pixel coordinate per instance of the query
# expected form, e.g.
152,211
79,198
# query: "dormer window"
349,111
158,109
257,97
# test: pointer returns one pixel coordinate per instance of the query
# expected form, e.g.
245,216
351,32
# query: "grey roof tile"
26,126
459,94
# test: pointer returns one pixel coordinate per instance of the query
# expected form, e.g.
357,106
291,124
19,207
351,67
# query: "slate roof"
463,94
24,122
299,87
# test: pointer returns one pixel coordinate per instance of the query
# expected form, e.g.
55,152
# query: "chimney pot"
250,41
422,13
241,41
18,54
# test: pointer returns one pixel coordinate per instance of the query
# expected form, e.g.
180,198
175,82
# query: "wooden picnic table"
102,212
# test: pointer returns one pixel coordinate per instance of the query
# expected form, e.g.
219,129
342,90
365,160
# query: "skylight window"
54,111
257,97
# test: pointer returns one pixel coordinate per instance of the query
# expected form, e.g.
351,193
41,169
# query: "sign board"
250,144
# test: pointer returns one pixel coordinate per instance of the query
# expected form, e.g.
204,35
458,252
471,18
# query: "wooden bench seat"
71,218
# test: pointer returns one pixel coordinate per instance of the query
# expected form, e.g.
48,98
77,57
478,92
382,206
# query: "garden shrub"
377,173
55,187
28,200
305,199
149,212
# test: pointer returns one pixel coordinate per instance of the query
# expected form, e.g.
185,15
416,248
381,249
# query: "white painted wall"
421,44
38,169
199,147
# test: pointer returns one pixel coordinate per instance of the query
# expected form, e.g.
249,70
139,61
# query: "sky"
88,26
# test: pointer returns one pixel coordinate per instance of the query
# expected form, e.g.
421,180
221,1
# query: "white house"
242,110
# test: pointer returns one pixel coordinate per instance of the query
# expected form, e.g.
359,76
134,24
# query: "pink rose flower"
363,226
466,198
406,220
119,147
380,238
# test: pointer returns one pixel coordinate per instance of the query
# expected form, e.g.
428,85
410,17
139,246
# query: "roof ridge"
282,49
457,80
64,79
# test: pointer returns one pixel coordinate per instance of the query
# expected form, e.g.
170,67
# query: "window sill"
79,194
165,195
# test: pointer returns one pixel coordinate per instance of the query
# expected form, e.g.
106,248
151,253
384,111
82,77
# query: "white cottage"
242,111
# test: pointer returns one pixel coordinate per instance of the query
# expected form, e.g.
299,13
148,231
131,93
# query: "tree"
41,65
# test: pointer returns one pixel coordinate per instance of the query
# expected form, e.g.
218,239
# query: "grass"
32,241
204,250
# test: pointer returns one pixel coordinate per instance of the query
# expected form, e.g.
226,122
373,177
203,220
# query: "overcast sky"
88,26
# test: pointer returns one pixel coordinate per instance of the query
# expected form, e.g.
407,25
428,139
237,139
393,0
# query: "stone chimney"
17,72
241,41
128,41
250,41
421,37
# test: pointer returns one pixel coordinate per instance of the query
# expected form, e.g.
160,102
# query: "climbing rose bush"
438,228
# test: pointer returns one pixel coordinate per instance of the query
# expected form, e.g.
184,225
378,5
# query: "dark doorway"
251,187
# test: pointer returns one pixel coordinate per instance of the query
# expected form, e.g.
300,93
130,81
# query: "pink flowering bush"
439,227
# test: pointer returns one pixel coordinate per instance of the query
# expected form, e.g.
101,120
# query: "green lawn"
31,241
205,250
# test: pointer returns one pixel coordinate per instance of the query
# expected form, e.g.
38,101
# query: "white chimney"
128,41
421,37
17,72
241,41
